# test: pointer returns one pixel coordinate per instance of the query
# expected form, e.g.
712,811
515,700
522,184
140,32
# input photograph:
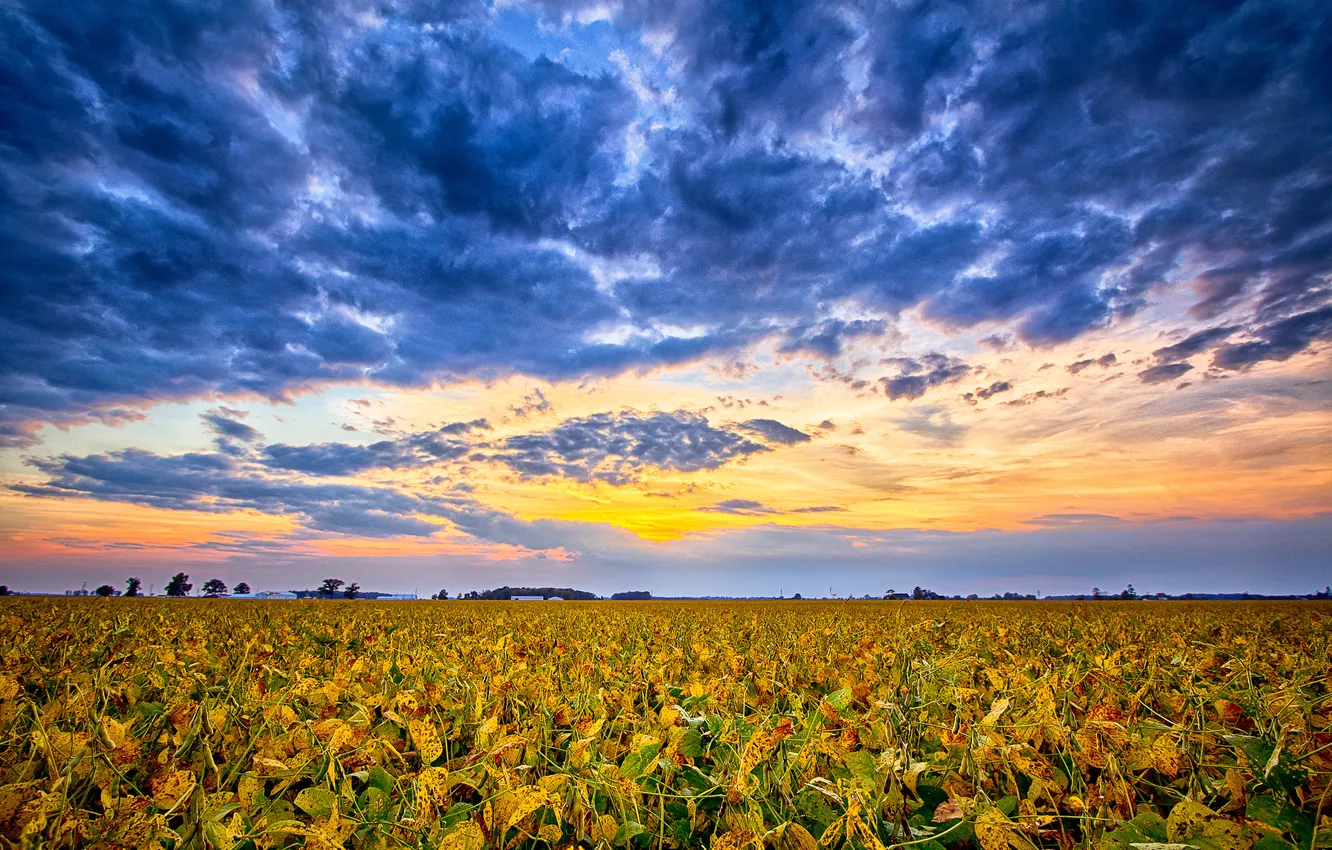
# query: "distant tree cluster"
632,596
1126,593
179,585
507,592
332,587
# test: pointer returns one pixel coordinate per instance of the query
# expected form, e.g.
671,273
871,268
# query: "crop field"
989,725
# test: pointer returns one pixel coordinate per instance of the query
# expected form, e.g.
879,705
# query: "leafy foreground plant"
231,724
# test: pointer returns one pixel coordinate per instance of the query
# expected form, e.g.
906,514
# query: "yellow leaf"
282,715
1165,756
170,788
111,733
550,833
997,708
248,791
604,829
316,802
1227,835
526,800
1185,817
267,766
867,835
733,840
466,836
12,798
795,837
432,787
993,830
426,740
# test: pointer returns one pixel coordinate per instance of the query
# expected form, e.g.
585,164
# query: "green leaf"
379,778
1145,829
1285,774
628,830
861,764
840,700
1007,805
1279,814
815,808
691,745
637,763
931,795
373,803
316,802
1151,825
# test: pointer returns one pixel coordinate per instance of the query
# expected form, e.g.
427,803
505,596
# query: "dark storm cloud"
828,338
1164,372
986,393
773,431
612,447
1194,343
261,198
1279,340
465,427
916,376
415,451
1104,361
226,423
217,483
618,447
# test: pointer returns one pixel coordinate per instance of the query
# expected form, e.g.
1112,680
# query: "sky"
710,298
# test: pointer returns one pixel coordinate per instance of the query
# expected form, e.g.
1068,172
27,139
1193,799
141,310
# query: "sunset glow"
695,299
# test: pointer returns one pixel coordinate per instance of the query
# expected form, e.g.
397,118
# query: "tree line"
178,586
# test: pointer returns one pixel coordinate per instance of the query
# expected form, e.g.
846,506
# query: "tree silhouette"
330,587
350,591
179,585
132,586
214,588
105,590
241,587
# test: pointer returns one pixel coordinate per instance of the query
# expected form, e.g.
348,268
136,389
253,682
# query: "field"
231,724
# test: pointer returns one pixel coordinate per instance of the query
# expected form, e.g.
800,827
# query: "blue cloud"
773,431
619,447
917,376
225,199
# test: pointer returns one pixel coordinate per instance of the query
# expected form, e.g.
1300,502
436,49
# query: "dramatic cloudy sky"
691,297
